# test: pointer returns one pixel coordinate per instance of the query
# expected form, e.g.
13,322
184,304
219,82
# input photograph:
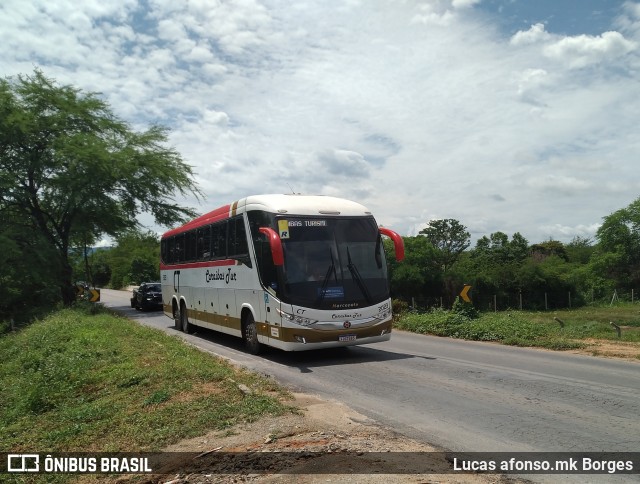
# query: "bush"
89,308
464,308
399,307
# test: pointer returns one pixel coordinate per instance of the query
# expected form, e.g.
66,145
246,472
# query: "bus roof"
283,204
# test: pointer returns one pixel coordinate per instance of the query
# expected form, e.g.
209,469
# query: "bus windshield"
332,263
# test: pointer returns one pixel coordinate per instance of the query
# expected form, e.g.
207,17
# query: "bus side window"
171,250
241,247
190,245
238,246
179,248
218,235
163,250
204,243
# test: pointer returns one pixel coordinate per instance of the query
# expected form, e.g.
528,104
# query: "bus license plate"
347,337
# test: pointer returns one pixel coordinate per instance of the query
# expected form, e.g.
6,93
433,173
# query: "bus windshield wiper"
377,252
325,283
357,277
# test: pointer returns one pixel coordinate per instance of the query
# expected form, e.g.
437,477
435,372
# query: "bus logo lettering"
220,276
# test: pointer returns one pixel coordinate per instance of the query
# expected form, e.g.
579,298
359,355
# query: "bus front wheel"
251,335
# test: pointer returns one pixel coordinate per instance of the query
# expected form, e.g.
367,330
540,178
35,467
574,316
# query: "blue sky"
507,115
566,17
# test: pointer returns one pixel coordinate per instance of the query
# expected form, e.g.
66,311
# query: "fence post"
617,328
521,300
495,304
569,299
614,297
546,305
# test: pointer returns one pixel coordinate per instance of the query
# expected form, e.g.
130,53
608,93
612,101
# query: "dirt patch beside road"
610,349
325,442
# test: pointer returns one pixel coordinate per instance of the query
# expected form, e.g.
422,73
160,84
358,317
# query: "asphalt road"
459,395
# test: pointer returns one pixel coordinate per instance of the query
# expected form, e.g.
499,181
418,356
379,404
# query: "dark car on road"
147,296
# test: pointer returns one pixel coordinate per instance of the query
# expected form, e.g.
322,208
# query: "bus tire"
251,335
184,318
177,322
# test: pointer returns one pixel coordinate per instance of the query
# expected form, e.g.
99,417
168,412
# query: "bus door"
272,317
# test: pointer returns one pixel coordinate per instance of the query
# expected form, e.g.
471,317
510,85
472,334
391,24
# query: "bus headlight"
296,319
383,316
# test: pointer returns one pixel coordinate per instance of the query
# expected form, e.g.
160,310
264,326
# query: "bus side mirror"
398,243
276,245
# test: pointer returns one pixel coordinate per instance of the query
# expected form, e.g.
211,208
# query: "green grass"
524,328
97,382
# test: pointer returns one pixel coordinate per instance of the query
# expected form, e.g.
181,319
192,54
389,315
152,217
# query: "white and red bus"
290,271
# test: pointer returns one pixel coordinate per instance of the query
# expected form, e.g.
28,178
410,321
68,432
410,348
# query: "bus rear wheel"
184,319
177,321
251,335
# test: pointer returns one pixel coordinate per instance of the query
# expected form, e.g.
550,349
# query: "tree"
518,247
449,237
579,250
27,265
495,265
72,171
497,249
617,254
134,259
418,276
549,248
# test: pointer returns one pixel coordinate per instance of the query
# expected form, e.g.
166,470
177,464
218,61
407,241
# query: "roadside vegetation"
511,272
84,379
72,174
559,330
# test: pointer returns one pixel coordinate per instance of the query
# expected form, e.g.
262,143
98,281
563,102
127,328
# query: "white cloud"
534,35
417,109
576,51
464,3
567,233
629,19
559,184
583,50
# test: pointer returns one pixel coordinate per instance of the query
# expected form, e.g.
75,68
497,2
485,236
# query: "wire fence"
539,301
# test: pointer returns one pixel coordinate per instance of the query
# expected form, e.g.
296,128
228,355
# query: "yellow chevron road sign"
464,294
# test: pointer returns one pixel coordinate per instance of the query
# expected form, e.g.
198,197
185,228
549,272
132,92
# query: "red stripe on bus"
216,215
199,265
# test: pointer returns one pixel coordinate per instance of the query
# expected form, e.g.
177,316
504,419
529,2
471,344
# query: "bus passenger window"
240,239
218,234
204,243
